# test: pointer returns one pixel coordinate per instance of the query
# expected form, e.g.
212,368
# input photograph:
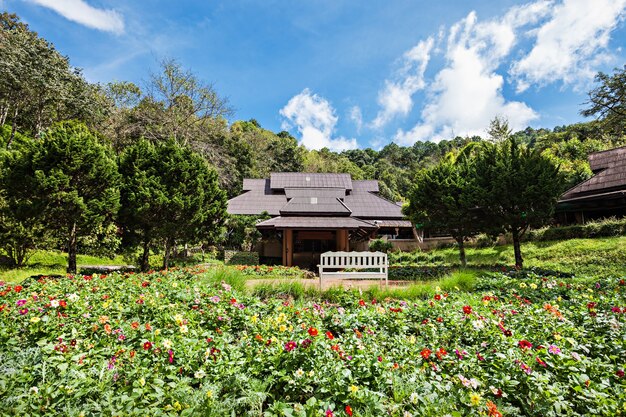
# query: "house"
603,195
312,213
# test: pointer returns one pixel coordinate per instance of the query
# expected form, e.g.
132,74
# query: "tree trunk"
166,255
71,251
519,262
145,257
461,242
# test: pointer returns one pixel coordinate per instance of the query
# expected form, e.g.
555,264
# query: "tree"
608,101
69,180
518,188
444,197
169,194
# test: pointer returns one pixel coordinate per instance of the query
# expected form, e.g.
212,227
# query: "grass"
588,257
52,263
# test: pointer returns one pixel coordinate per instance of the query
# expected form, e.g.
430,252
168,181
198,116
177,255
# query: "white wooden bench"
368,265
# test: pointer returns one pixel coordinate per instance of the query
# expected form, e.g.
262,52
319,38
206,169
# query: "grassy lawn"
53,263
600,256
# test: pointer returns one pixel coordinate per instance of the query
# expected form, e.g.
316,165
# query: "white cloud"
567,46
80,12
397,96
467,93
357,117
315,119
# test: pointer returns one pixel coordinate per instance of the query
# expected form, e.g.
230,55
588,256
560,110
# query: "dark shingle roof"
334,193
315,192
315,223
315,206
282,180
610,174
370,206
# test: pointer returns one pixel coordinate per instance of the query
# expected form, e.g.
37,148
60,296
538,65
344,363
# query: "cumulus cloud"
80,12
569,45
397,96
357,117
467,92
315,120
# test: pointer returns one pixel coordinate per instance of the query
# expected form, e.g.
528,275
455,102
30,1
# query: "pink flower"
20,303
525,368
170,355
555,350
291,345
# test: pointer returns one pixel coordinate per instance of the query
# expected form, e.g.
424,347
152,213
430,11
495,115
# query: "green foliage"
168,194
608,101
66,181
445,197
517,187
380,245
232,257
241,232
417,272
601,228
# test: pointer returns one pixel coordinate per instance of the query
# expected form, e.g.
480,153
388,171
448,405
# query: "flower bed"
261,271
169,344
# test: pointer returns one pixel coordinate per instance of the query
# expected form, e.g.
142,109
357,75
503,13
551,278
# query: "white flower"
167,344
407,414
54,303
299,373
33,390
478,324
184,328
199,374
414,397
73,297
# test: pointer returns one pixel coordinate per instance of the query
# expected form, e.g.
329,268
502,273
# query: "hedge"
602,228
233,257
417,272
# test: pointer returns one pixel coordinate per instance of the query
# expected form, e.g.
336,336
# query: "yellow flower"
254,318
557,336
209,394
142,381
281,317
157,332
177,406
35,320
175,284
475,398
533,285
522,285
282,328
353,389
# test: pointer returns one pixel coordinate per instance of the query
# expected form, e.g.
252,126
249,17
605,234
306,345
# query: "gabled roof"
336,195
610,175
298,206
282,180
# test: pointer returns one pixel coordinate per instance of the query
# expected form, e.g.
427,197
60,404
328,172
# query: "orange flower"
103,319
148,327
425,353
107,328
134,325
313,331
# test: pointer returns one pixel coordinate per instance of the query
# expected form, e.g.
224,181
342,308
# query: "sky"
354,74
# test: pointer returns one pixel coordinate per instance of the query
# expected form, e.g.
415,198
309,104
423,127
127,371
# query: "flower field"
177,344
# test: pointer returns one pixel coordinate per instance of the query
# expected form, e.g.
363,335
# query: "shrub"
232,257
380,245
417,272
601,228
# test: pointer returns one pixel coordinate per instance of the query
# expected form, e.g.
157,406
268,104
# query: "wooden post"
342,240
287,247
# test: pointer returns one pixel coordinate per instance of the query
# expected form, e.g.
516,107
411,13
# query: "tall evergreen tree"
169,195
69,180
444,197
518,189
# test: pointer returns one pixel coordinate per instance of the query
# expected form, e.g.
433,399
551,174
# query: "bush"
417,272
602,228
232,257
380,245
405,258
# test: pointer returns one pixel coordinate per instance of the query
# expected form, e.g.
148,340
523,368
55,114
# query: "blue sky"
345,74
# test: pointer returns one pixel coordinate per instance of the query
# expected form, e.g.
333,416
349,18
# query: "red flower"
63,303
541,362
525,344
17,288
330,335
441,352
233,300
329,413
145,284
467,309
619,373
437,297
361,303
313,331
291,345
425,353
147,345
348,410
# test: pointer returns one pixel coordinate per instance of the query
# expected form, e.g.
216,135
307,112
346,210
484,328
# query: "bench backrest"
354,260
